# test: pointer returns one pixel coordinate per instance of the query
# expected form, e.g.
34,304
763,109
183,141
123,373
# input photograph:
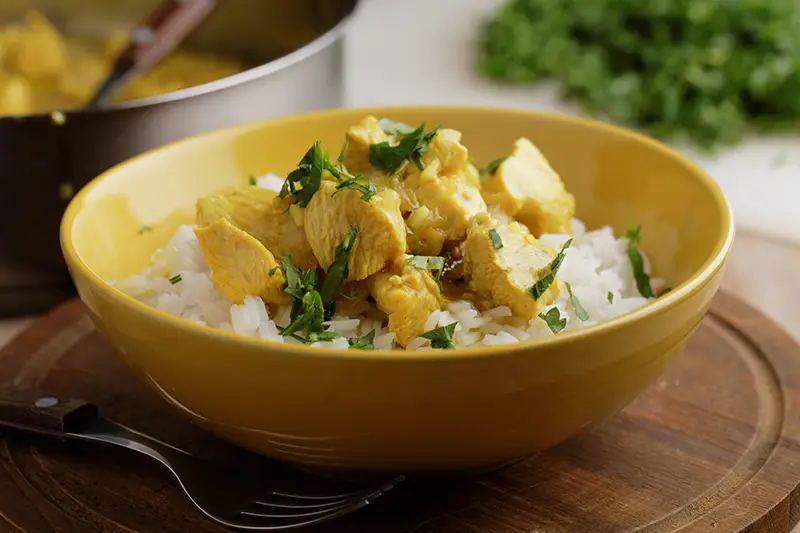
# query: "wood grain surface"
712,446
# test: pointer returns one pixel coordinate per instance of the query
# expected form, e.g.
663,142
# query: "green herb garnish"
433,263
346,146
391,127
298,283
580,311
634,235
176,279
554,320
385,156
253,181
497,242
707,71
316,336
303,182
309,317
313,303
144,229
360,184
491,168
610,297
337,272
539,288
367,342
441,338
664,291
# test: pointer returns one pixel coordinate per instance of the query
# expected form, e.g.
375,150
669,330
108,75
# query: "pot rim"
310,49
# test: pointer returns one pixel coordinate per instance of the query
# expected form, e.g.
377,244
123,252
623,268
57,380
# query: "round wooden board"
712,446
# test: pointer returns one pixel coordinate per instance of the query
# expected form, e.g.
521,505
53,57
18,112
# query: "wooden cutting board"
711,447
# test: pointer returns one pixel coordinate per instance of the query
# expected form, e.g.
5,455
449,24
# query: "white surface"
418,52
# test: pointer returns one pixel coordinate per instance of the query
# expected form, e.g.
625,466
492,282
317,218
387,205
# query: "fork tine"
308,504
259,523
335,497
328,513
297,512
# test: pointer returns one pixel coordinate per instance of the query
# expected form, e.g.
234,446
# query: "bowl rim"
682,292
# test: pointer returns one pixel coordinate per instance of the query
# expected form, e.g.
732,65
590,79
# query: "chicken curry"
42,70
399,224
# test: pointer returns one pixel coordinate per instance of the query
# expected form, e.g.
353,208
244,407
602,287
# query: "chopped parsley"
441,338
252,180
553,320
497,242
298,283
491,168
433,263
412,146
314,302
367,342
346,146
360,184
610,297
337,272
634,235
317,336
310,316
390,127
144,229
580,311
176,279
541,286
304,181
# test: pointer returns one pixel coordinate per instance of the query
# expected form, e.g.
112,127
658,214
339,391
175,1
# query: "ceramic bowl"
427,411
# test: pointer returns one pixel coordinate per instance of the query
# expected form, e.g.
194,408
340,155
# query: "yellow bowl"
402,411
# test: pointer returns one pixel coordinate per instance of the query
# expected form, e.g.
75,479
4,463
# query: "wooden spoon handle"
164,30
160,34
39,413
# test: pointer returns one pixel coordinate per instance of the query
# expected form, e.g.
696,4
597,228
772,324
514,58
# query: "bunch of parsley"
701,70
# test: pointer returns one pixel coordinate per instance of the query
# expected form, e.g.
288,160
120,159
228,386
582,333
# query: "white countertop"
431,62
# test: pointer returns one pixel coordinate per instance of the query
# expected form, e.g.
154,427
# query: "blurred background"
438,63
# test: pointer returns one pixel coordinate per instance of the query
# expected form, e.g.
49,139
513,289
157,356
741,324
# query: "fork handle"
36,412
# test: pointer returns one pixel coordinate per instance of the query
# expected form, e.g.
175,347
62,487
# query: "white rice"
595,265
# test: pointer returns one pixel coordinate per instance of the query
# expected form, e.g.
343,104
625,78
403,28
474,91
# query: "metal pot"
298,45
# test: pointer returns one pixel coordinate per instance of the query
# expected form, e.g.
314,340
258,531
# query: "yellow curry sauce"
42,70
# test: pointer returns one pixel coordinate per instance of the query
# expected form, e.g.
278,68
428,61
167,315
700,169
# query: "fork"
232,497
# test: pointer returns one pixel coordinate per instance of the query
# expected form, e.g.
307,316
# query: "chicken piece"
508,272
353,299
446,148
41,51
446,204
443,197
260,212
360,137
525,187
240,265
408,295
16,95
381,232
